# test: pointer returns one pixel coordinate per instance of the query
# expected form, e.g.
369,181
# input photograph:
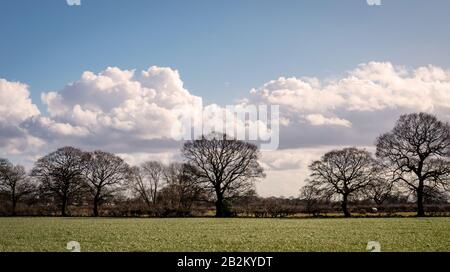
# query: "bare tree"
147,180
380,189
139,186
417,150
312,198
433,195
224,166
60,175
15,182
342,173
154,171
104,173
182,188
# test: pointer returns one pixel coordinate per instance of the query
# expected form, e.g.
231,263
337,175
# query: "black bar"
236,262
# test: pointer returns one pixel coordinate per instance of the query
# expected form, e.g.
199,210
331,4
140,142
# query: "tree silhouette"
380,189
417,150
60,175
181,189
342,173
104,174
15,182
147,180
224,166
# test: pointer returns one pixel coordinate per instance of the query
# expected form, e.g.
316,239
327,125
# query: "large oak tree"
60,175
417,151
105,173
342,173
224,166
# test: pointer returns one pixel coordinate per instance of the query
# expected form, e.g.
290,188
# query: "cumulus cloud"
15,102
15,107
141,115
124,110
375,86
118,102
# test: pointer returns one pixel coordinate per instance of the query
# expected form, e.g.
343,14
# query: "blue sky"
221,48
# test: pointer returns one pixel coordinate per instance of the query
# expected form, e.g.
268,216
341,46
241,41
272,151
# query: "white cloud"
47,128
166,157
15,102
136,114
117,103
371,87
287,169
15,107
319,120
73,2
120,105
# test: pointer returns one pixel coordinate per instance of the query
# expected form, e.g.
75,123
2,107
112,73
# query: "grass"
210,234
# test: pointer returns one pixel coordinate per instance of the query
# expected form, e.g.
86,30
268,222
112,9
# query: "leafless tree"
105,174
312,197
139,187
15,182
154,171
379,191
435,195
417,150
342,173
224,166
382,187
182,188
147,180
60,175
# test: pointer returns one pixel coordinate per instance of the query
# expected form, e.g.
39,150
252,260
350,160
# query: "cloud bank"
371,87
137,114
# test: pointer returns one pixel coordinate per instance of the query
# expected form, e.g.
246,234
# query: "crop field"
211,234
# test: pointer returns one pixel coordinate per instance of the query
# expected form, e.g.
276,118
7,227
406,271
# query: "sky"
117,75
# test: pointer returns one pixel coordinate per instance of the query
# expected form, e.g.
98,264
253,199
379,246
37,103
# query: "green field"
210,234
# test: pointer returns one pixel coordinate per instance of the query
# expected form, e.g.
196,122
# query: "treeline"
66,181
410,172
72,182
412,159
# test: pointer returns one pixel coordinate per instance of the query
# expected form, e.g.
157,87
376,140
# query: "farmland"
211,234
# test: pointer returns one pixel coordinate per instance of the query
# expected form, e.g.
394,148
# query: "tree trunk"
149,204
95,210
344,206
220,207
14,204
63,207
420,208
155,195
